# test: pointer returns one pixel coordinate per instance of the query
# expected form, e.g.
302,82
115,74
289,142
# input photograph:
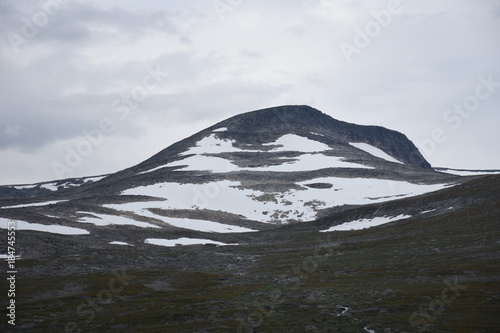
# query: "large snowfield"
299,205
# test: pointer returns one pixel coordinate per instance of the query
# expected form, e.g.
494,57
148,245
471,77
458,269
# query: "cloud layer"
146,74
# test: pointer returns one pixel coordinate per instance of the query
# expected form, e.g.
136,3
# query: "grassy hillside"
434,273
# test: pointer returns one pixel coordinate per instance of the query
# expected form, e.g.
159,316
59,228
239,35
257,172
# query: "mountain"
309,224
251,172
279,165
252,130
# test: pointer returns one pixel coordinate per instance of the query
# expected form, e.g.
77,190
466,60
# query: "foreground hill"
436,271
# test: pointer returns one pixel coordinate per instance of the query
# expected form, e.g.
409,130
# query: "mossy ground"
435,274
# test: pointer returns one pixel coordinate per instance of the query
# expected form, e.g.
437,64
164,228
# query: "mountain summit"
256,128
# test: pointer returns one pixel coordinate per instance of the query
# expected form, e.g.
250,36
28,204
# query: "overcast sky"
93,87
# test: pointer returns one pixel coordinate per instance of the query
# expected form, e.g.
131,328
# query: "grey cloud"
77,21
495,12
251,54
29,132
428,58
185,40
297,30
213,102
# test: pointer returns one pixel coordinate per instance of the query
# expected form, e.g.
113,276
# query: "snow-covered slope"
301,203
273,166
374,151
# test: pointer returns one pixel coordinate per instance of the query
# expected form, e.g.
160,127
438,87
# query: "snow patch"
105,219
200,162
120,243
37,204
54,186
374,151
94,179
366,223
54,229
205,163
51,186
222,129
183,241
292,142
469,172
151,170
212,145
22,187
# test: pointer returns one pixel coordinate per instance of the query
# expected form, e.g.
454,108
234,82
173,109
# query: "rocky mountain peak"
268,125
